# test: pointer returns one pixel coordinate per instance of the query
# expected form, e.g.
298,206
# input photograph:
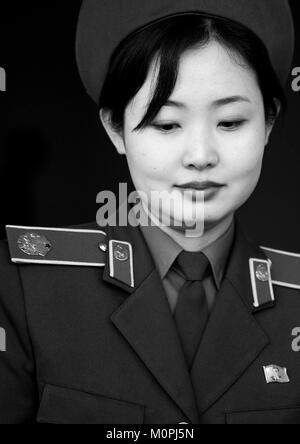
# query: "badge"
121,252
34,244
276,374
262,273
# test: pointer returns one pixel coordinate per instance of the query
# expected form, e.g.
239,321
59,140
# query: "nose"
200,150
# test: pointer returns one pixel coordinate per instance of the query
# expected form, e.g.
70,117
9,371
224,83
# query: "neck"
211,233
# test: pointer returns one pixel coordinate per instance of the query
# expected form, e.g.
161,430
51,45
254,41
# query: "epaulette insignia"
262,289
285,267
56,246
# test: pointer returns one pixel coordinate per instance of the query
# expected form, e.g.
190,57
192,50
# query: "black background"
55,157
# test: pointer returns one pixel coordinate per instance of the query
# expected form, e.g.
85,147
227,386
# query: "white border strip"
63,230
281,252
253,280
111,260
37,261
285,284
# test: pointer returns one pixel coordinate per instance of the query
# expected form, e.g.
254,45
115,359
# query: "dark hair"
167,40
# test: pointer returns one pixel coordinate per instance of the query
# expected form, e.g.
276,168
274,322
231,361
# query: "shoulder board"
56,246
285,267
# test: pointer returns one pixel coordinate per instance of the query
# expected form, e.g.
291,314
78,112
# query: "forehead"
205,74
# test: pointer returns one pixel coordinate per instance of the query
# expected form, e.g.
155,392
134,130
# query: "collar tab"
121,262
261,280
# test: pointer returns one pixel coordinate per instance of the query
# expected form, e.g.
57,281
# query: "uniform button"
103,247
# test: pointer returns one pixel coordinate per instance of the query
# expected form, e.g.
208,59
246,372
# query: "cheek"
244,156
148,157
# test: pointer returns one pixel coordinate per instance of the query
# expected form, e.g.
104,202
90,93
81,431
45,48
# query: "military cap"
103,24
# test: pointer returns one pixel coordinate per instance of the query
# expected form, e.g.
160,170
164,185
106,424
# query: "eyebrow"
175,103
229,100
216,104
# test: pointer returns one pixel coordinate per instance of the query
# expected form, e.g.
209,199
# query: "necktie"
191,312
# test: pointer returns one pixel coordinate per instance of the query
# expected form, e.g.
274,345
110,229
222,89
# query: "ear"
115,136
270,124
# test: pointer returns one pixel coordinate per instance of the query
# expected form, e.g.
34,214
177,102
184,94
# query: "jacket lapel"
145,321
233,338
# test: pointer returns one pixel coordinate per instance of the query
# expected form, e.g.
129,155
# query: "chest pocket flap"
66,406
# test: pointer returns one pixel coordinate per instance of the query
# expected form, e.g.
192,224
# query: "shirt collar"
218,252
163,248
165,251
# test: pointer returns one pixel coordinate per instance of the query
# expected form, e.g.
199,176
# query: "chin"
212,219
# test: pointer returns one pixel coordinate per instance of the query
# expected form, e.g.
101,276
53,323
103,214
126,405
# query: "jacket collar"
232,341
233,338
146,322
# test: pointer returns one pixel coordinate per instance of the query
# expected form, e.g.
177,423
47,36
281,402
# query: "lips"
200,186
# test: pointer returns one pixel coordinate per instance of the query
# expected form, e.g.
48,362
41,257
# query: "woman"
190,322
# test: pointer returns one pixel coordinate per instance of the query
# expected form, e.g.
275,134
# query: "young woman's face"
212,129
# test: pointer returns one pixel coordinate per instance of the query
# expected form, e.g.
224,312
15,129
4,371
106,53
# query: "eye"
231,125
165,127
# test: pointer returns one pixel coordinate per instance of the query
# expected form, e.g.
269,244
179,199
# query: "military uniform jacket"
83,342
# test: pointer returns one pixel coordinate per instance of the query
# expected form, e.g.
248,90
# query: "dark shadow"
22,158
